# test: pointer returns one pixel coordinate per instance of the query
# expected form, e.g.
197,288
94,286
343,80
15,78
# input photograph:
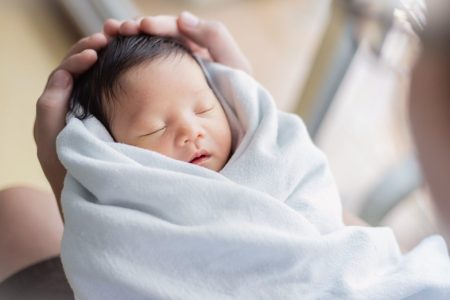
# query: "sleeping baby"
184,181
151,93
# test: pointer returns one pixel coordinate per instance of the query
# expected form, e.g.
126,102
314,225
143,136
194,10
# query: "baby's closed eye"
158,130
205,109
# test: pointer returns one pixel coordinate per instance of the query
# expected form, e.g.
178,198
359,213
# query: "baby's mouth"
199,157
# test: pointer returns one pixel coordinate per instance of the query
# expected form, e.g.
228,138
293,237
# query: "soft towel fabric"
140,225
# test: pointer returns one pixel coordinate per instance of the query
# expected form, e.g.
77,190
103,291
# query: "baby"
151,92
267,226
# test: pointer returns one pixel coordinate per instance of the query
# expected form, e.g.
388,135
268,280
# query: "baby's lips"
199,156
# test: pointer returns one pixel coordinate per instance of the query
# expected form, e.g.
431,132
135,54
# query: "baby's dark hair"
96,89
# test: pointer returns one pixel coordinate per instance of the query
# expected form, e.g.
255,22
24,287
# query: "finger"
160,25
52,106
95,42
130,27
111,27
197,50
138,19
79,63
51,109
216,38
203,53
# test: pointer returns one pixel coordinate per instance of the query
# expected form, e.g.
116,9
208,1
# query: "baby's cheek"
162,147
225,136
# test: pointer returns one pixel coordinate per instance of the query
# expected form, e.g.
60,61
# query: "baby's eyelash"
153,132
206,110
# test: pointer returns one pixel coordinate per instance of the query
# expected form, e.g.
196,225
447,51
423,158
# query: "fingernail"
59,79
189,19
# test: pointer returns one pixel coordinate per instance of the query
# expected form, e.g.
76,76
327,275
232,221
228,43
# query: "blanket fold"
140,225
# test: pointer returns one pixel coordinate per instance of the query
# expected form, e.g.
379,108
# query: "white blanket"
140,225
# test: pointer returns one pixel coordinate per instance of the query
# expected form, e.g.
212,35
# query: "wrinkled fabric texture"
140,225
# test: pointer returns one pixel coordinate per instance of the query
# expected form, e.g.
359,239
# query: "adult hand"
52,105
206,38
209,39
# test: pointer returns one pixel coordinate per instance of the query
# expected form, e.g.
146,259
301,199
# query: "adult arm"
429,108
430,122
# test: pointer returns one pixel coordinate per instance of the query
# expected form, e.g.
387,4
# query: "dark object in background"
44,280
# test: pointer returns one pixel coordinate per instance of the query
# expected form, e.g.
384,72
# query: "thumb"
57,90
205,33
52,106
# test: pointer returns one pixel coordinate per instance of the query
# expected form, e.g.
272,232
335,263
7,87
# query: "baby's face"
167,106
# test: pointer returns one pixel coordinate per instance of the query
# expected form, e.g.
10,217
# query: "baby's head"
151,93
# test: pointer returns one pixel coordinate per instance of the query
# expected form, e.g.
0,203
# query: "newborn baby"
150,92
262,223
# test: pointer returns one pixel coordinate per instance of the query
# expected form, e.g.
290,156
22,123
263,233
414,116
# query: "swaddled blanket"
140,225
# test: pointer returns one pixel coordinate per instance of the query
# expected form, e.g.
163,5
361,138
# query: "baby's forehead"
169,61
165,82
178,70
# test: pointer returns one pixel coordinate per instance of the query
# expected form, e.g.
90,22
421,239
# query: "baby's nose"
189,132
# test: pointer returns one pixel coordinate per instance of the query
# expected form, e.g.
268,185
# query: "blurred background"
343,65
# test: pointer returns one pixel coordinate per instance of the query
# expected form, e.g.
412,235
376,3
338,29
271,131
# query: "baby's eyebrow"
138,125
203,90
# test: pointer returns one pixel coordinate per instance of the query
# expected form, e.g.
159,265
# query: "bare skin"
34,236
430,120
